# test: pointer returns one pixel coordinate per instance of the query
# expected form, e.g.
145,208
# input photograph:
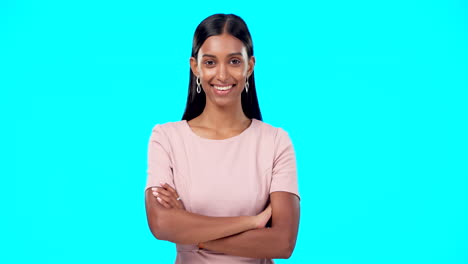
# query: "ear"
251,66
194,66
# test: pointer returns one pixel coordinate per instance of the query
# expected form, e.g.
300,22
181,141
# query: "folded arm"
180,226
275,242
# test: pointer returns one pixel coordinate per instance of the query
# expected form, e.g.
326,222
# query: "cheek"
238,72
240,75
207,74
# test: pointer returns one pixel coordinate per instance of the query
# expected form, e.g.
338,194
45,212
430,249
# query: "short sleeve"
284,176
159,159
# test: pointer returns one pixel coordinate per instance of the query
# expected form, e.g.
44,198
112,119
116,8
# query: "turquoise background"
372,93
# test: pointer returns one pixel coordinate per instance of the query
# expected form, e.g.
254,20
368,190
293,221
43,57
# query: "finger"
165,199
166,192
163,203
171,199
181,204
169,188
178,201
168,199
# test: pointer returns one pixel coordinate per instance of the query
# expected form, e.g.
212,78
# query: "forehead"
222,45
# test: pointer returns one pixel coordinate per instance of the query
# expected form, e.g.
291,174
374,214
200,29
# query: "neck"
223,117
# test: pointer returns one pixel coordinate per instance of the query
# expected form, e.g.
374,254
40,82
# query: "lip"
218,92
223,85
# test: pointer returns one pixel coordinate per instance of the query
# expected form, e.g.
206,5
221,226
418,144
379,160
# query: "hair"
214,25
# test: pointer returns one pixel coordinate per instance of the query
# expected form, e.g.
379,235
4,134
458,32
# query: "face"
223,67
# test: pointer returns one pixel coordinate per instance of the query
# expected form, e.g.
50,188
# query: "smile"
223,88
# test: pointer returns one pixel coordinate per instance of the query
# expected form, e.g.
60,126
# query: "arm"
275,242
180,226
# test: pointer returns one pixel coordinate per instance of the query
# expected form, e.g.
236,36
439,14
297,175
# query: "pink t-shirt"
228,177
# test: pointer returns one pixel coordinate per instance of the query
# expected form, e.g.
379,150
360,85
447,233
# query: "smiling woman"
223,72
218,176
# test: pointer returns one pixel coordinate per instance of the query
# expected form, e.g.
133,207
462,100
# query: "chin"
223,102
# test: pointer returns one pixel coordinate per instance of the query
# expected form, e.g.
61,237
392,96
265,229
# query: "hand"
262,218
167,196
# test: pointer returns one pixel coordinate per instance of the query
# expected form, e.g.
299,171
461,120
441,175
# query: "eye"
209,62
236,61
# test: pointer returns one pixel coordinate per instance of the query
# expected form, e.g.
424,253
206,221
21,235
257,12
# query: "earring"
198,85
246,85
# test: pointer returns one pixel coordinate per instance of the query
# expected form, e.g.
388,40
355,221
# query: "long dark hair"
214,25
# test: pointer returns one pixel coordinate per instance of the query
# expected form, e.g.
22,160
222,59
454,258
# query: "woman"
216,177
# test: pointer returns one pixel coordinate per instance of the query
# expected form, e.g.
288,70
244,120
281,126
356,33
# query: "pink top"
228,177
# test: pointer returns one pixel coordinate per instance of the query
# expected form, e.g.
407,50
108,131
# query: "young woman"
217,177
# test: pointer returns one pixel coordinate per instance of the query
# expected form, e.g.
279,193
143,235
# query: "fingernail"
159,199
153,189
155,193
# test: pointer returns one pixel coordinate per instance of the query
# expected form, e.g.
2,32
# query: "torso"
220,173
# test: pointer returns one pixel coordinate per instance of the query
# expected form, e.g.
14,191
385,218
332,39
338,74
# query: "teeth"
222,88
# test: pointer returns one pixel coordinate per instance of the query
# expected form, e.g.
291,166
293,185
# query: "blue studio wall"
372,93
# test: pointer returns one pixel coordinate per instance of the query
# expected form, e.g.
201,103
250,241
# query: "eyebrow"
230,54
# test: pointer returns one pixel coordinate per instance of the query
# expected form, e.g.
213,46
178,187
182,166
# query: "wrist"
253,222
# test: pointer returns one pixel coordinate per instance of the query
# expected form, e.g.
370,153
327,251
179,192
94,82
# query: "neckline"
190,131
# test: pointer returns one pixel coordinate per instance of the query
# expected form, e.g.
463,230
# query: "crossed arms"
239,236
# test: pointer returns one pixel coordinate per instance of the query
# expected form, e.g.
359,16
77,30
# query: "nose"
222,73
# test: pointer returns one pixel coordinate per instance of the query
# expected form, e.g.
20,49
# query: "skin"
222,60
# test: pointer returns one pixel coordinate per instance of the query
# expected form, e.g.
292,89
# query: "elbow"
156,224
162,228
156,217
157,229
287,252
287,247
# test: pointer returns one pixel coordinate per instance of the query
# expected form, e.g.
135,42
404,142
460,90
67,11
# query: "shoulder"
167,131
168,127
272,132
